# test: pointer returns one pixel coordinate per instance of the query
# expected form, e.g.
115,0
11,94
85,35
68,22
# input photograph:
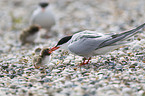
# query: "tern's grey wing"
120,37
85,46
86,34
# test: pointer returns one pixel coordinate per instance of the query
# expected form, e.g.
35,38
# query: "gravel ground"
118,73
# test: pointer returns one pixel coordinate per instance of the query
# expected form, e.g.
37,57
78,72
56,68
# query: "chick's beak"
53,49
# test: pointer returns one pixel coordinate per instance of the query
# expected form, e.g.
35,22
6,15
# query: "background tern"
43,16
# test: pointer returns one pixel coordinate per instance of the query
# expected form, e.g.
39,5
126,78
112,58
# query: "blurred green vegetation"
15,21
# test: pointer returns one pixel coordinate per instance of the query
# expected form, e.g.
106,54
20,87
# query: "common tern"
88,44
29,35
41,57
43,17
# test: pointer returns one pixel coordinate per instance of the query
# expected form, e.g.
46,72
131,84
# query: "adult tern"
88,44
43,17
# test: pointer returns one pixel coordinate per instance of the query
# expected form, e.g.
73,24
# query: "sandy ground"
118,73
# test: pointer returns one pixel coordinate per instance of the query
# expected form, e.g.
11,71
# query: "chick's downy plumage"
29,35
39,60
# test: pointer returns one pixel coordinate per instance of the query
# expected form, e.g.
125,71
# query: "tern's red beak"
43,9
53,49
39,27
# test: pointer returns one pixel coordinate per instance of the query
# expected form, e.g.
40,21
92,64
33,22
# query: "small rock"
14,86
56,71
132,66
127,90
32,80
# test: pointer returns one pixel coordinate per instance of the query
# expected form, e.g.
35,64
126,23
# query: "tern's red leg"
88,60
83,63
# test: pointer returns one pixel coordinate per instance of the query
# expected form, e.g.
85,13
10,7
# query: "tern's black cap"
64,40
43,4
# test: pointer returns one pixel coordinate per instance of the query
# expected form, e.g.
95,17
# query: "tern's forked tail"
132,32
121,37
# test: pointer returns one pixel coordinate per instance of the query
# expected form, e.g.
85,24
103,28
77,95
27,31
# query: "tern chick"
42,57
88,43
29,35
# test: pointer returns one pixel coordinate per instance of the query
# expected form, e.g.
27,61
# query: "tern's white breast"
43,18
104,50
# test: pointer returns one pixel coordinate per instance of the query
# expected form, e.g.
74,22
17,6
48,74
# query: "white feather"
43,18
46,60
31,38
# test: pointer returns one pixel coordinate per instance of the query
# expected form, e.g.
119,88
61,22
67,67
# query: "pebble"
118,66
132,66
141,93
56,71
33,80
66,61
94,60
127,90
14,86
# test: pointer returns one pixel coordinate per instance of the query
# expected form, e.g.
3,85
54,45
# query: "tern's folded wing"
120,37
85,45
